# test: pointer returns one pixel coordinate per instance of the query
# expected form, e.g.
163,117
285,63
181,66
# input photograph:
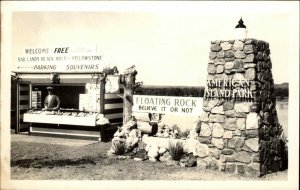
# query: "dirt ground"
77,160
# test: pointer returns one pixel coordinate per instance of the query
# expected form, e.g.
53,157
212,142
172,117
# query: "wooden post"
129,84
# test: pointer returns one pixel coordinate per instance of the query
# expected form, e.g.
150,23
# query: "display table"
90,127
60,119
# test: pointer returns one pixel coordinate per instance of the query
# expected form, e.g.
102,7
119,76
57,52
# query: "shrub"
185,133
176,150
118,147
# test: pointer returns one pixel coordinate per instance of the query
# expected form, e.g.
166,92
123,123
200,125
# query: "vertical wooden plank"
17,130
102,95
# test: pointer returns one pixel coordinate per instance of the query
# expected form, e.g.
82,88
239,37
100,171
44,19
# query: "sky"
169,44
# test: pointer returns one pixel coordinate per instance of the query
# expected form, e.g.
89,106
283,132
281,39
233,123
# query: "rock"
241,123
204,140
250,74
138,159
218,142
248,49
238,77
216,118
227,135
226,46
190,145
214,152
212,55
218,110
250,133
242,157
228,105
215,47
214,164
153,153
219,62
227,151
212,103
242,107
220,54
229,59
238,64
202,164
240,168
205,130
165,157
230,167
121,157
249,41
211,69
255,157
253,144
201,150
192,162
220,69
237,132
162,150
252,121
236,142
249,59
253,169
238,45
229,65
230,124
249,65
239,55
226,158
204,117
218,130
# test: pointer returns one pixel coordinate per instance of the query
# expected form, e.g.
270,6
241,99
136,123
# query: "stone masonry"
242,134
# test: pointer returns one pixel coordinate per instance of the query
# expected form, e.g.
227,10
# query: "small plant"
185,133
176,150
118,147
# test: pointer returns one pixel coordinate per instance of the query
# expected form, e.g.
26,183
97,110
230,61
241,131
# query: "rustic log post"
129,85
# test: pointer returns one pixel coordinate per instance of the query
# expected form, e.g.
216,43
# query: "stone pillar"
129,85
239,120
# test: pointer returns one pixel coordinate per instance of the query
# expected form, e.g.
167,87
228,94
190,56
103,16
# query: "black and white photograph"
150,95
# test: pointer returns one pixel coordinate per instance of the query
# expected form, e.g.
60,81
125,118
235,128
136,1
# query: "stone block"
255,157
252,121
249,65
214,164
204,140
237,132
227,135
241,123
211,69
239,55
229,59
201,150
212,55
227,151
250,58
216,118
240,168
253,144
236,142
228,105
205,130
229,113
220,69
226,46
229,65
217,130
238,64
242,156
215,47
253,169
218,110
230,124
230,167
248,49
219,62
242,107
218,142
238,45
220,54
201,163
226,158
212,103
204,117
250,74
214,152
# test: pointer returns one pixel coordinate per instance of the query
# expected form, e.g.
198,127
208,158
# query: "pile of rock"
167,131
128,135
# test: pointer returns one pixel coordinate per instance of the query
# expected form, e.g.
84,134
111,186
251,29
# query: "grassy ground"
89,161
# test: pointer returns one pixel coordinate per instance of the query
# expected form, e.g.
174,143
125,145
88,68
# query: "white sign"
112,84
87,102
167,104
60,59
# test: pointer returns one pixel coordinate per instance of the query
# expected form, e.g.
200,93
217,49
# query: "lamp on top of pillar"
240,31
